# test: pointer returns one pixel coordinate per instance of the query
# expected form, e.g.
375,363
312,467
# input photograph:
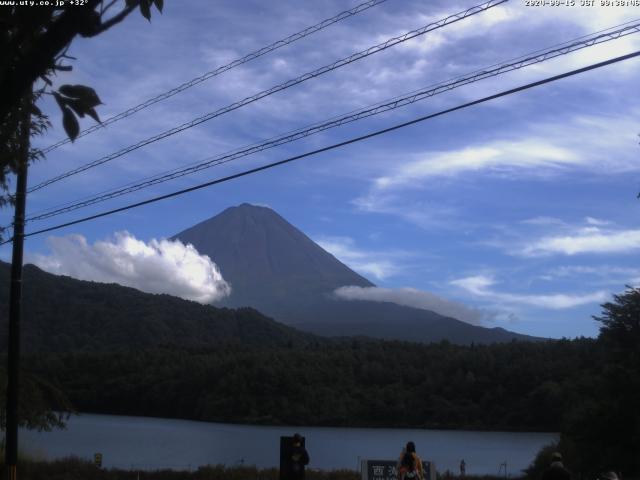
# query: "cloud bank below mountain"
411,297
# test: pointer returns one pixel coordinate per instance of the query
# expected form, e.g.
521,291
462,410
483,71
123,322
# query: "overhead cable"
290,83
336,145
217,71
407,99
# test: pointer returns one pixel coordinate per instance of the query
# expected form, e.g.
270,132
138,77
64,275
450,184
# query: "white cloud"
600,145
603,145
524,153
378,264
585,241
543,221
423,213
588,18
474,26
439,39
571,270
596,221
610,275
479,285
411,297
159,266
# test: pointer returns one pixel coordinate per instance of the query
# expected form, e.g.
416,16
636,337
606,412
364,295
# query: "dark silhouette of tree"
44,406
34,42
619,424
620,329
602,430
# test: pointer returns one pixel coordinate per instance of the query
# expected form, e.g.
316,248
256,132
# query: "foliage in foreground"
587,389
44,406
74,469
34,41
602,433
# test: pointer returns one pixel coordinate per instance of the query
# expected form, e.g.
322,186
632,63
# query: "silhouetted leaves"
90,24
145,9
35,110
70,123
78,99
39,42
82,93
93,114
42,407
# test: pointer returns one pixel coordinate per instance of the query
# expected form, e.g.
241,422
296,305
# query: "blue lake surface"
156,443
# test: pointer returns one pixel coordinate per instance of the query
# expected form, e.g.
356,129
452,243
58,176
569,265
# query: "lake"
155,443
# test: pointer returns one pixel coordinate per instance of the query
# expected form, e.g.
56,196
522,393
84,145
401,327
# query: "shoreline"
311,425
152,443
75,467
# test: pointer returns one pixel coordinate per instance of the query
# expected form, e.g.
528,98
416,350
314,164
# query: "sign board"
387,470
97,458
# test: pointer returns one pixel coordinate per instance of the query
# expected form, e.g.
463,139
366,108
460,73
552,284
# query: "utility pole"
15,295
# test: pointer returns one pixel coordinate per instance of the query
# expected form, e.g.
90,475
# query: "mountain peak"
249,207
266,259
274,267
244,211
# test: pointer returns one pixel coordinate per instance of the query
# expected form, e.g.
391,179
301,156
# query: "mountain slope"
64,314
274,267
269,263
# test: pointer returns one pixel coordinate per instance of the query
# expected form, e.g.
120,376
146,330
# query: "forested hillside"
516,386
139,354
62,314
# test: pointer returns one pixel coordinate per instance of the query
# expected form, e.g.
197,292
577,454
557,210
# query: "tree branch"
112,21
38,59
106,9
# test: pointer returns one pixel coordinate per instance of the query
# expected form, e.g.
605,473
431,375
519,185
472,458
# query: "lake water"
155,443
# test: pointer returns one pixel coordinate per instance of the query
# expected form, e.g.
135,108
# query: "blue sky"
523,209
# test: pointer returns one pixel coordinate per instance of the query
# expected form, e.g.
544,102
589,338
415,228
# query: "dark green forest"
159,356
588,389
62,314
516,386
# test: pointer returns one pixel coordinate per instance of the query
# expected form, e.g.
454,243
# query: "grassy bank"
77,469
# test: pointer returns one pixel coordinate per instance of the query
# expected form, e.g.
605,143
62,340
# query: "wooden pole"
15,296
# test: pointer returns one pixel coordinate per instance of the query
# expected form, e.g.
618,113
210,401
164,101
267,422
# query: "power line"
427,92
338,145
219,70
283,86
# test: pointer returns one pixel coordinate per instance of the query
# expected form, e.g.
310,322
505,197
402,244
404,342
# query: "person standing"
463,468
410,464
299,458
556,470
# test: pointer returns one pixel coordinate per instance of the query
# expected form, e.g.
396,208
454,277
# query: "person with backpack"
410,464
